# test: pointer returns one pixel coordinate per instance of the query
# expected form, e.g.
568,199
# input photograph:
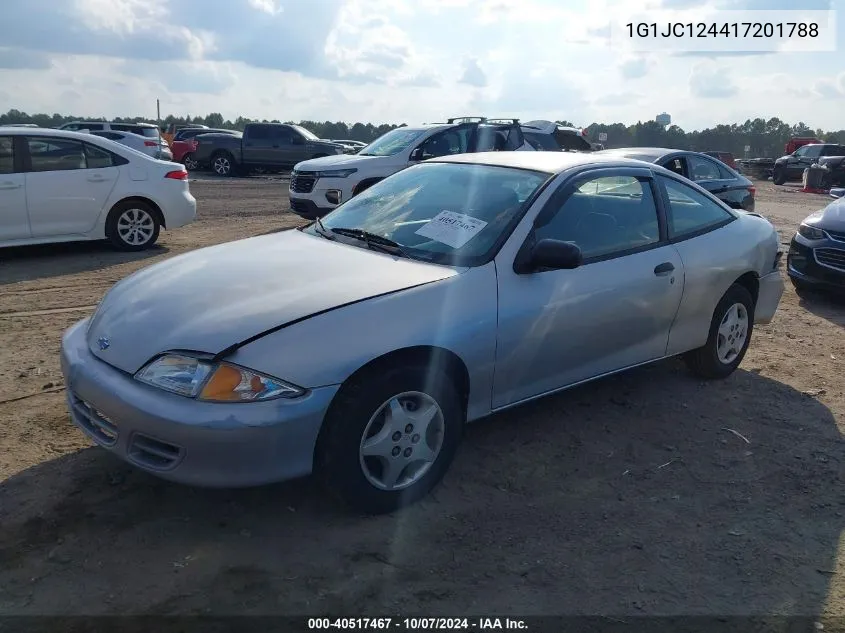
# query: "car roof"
652,152
548,162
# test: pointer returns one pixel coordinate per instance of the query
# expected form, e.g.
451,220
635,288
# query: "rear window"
7,155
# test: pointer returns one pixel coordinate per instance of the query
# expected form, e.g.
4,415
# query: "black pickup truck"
262,146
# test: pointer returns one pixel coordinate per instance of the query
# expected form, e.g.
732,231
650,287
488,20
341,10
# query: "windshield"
392,142
308,135
449,213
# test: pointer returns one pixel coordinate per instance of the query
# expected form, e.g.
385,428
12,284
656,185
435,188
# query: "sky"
398,61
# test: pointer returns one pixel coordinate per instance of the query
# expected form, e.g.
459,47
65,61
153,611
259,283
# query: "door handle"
661,270
10,185
96,179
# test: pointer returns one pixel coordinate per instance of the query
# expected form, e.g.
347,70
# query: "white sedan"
61,186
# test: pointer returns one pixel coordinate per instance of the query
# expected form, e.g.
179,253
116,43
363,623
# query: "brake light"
194,143
150,143
179,174
752,191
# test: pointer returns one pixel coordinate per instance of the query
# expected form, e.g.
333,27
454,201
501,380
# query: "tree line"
763,137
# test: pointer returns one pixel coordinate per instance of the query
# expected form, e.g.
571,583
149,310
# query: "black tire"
190,162
779,175
223,164
704,362
338,457
132,226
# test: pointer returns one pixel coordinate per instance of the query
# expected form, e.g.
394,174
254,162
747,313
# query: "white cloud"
473,74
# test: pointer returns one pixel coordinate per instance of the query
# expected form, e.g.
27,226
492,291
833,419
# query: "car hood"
212,298
832,217
332,162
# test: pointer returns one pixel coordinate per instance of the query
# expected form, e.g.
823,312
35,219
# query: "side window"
802,151
676,165
90,126
49,154
702,169
7,155
259,133
606,215
71,127
690,211
446,143
284,135
98,158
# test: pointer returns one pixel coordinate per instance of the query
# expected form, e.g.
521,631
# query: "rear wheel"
132,226
190,162
730,334
779,175
389,437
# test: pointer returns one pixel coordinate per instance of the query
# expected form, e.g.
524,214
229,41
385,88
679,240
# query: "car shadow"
25,263
647,493
828,306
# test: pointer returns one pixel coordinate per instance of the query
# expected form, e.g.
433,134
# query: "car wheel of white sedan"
390,437
730,334
132,226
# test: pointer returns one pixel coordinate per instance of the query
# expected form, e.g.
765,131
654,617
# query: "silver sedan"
359,346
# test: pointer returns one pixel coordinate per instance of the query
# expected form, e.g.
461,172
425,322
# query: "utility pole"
158,113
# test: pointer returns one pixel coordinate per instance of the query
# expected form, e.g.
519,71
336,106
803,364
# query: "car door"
560,327
258,145
802,159
697,227
14,221
709,174
68,184
288,146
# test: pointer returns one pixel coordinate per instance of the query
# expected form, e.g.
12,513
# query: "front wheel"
730,334
779,175
389,438
223,164
132,226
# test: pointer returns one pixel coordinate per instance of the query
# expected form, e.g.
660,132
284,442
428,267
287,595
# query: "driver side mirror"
416,155
549,254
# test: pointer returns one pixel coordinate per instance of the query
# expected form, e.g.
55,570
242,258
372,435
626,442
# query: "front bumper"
803,267
308,209
184,440
769,293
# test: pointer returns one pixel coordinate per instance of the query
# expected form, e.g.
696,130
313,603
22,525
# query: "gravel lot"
626,496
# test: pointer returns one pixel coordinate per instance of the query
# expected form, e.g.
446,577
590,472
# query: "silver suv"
147,130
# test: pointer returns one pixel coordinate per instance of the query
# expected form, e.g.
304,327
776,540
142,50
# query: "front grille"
101,429
303,181
839,236
152,453
831,257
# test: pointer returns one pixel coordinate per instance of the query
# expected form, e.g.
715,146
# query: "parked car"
170,133
728,185
799,141
725,157
792,167
553,137
156,148
451,290
318,186
835,174
184,145
354,145
837,192
60,186
267,146
816,258
760,168
19,125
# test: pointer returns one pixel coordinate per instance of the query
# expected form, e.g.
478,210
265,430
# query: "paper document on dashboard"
452,229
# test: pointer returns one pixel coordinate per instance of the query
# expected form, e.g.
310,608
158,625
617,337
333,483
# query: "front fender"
458,314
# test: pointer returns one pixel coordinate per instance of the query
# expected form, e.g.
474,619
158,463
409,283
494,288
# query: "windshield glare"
392,142
441,212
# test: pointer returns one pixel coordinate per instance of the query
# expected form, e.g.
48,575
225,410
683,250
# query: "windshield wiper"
321,230
384,244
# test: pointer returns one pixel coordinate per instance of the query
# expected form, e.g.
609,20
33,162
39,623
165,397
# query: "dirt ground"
626,496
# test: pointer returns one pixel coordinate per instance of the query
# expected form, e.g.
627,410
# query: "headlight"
218,382
336,173
810,232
